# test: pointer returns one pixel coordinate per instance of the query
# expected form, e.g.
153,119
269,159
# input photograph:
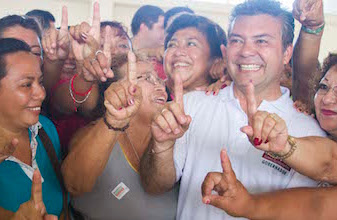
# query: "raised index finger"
36,195
132,69
64,20
96,20
251,102
178,90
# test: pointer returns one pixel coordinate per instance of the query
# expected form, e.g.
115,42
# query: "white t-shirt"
216,123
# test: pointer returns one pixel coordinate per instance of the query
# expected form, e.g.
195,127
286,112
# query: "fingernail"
103,79
131,102
120,108
266,141
84,36
206,91
168,130
176,131
183,119
208,201
105,70
134,90
257,141
213,93
223,86
251,81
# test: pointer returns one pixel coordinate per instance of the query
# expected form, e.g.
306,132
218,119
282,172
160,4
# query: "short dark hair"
269,7
173,11
43,17
147,14
8,46
23,21
122,31
215,35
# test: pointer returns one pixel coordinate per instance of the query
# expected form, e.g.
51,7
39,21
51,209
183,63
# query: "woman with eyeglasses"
101,169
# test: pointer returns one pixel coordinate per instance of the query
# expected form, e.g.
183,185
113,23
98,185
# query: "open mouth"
249,67
180,64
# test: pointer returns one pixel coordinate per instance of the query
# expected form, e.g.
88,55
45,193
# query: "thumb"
248,130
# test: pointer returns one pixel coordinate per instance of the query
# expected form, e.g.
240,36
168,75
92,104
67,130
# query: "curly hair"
329,61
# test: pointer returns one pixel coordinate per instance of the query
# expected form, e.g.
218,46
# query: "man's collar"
278,103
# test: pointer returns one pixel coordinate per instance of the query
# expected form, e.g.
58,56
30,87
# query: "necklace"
133,147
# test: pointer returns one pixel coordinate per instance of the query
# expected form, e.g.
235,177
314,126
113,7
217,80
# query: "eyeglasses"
323,89
151,78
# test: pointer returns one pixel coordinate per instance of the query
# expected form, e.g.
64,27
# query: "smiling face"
26,35
255,52
188,54
21,91
326,102
153,90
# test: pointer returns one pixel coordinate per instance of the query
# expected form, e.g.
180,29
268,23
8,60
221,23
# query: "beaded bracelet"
313,31
113,128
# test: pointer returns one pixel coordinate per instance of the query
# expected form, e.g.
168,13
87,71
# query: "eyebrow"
256,36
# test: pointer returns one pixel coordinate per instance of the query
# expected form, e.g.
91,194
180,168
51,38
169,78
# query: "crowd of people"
96,124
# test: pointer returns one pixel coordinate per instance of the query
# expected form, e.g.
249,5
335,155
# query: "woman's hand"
55,42
123,98
215,88
267,131
34,208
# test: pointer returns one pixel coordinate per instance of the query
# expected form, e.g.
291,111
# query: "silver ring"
97,52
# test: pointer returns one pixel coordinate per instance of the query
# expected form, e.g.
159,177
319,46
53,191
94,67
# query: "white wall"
123,10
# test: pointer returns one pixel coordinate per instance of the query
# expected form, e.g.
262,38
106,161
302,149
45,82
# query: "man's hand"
55,42
266,131
232,197
309,13
123,98
172,122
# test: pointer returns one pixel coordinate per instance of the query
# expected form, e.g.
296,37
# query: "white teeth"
250,67
35,109
180,64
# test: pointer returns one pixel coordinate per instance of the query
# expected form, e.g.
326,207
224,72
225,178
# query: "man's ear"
287,54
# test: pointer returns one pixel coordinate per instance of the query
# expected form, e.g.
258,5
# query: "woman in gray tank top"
101,169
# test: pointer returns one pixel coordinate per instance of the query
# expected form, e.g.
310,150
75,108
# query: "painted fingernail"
266,141
84,36
213,93
206,91
131,102
207,201
134,90
223,86
257,141
120,108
